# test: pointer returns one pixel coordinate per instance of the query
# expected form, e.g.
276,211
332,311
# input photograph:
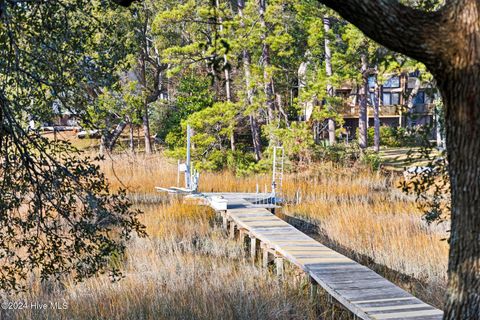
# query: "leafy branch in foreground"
58,215
430,182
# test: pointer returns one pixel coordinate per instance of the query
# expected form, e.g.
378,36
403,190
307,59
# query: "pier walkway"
362,291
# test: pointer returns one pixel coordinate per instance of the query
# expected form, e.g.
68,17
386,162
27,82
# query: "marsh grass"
185,269
188,269
356,208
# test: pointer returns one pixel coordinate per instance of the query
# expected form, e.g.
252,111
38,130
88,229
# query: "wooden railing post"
265,257
313,290
241,236
232,230
224,220
279,266
253,248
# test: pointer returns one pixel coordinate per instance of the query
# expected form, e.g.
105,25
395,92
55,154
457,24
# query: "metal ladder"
277,172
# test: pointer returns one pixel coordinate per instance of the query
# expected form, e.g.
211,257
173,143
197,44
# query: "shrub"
344,154
394,136
297,141
372,160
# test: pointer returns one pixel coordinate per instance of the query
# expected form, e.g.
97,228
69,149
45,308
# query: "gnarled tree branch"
400,28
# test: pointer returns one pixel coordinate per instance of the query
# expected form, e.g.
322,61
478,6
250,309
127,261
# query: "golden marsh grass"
185,269
361,210
188,269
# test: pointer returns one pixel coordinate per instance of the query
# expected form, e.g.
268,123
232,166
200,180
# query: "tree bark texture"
265,61
149,61
246,59
362,112
448,42
376,117
115,135
307,105
146,130
226,72
257,146
410,100
328,70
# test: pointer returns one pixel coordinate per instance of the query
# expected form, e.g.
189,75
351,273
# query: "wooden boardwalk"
359,289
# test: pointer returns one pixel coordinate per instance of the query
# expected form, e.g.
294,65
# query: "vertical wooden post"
232,230
253,248
265,258
279,265
241,237
224,220
313,290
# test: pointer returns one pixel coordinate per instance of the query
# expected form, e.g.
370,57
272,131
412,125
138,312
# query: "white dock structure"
362,291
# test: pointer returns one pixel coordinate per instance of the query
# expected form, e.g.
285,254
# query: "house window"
419,98
371,82
373,97
395,98
387,99
391,98
393,82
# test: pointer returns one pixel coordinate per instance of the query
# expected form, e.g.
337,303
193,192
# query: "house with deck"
403,102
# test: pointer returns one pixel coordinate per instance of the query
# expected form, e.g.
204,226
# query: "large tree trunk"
449,39
105,138
307,105
116,134
257,143
461,94
254,127
328,69
281,110
226,72
103,143
232,141
362,112
247,60
265,60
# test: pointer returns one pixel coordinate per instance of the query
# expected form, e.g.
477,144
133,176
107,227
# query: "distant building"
61,119
63,116
394,96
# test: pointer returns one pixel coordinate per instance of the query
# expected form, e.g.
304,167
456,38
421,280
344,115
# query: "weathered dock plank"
359,289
